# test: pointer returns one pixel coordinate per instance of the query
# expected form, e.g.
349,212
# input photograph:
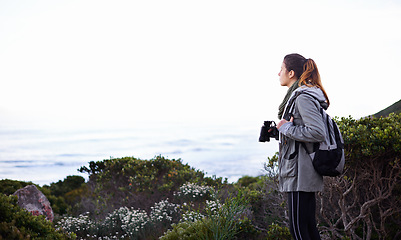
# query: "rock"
34,201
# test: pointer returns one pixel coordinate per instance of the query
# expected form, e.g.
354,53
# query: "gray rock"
34,201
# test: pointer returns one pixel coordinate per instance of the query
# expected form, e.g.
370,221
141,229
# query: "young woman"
297,175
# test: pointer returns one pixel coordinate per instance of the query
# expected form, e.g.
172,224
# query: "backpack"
328,157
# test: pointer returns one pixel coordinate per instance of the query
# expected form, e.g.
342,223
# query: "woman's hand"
281,123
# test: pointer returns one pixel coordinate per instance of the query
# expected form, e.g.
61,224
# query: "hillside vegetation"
394,108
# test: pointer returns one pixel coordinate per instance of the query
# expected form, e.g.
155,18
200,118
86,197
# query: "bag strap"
337,135
315,147
287,116
287,112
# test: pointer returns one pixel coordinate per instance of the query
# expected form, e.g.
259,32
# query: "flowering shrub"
126,222
79,225
123,223
164,211
221,221
213,206
130,223
193,191
191,216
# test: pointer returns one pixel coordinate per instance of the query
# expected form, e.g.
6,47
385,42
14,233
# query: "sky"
83,64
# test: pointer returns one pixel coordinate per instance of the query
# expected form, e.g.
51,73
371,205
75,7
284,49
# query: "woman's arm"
313,129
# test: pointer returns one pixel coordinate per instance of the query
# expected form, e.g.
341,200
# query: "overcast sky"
118,63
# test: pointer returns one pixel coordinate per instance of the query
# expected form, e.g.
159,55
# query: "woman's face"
285,76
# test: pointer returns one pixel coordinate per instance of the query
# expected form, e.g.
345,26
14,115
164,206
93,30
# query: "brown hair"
305,70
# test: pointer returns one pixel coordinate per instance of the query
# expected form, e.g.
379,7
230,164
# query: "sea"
47,155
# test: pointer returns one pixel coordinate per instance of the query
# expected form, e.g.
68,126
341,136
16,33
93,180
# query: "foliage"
220,221
271,167
374,138
133,182
58,204
185,231
8,186
251,182
194,192
17,223
213,221
276,232
267,204
64,195
365,202
124,223
225,220
70,183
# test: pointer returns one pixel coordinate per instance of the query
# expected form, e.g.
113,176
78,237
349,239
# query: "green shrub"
220,221
70,183
254,183
224,219
371,137
186,231
8,186
278,233
64,195
17,223
267,204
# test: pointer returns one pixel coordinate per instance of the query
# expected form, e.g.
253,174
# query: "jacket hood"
315,92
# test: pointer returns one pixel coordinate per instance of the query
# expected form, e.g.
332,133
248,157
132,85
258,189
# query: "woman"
297,176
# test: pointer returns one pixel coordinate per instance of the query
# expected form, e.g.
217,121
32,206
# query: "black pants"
302,212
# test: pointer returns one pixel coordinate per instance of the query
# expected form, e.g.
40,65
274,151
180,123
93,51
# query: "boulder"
34,201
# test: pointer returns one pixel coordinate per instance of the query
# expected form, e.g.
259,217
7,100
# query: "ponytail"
311,77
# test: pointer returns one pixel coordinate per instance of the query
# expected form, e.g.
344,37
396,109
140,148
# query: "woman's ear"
291,74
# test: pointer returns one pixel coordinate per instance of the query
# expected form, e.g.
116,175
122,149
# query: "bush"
124,223
194,192
64,195
137,183
267,204
365,202
17,223
371,137
9,187
254,183
278,233
221,221
185,231
70,183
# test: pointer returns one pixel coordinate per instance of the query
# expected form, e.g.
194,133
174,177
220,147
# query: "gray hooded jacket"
296,172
